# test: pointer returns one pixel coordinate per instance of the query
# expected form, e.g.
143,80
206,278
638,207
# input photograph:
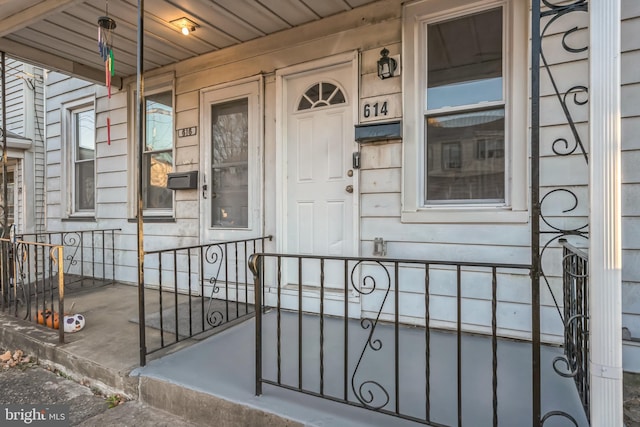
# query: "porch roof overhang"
15,141
61,35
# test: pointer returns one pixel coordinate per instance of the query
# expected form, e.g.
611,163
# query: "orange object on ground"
48,318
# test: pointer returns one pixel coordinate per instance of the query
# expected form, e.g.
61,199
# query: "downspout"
140,126
605,184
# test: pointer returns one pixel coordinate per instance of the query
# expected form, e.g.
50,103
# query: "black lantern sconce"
386,66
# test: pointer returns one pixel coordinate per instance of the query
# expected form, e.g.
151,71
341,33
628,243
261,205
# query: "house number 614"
375,110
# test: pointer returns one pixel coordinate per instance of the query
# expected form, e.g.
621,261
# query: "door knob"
349,188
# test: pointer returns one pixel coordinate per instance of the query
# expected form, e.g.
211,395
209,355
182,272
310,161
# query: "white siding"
25,117
16,92
381,173
630,104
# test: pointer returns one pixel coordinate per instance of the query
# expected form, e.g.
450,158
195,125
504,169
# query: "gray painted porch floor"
223,365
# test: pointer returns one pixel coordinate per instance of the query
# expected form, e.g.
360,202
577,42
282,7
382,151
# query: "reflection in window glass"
465,60
84,148
230,164
465,146
158,152
471,146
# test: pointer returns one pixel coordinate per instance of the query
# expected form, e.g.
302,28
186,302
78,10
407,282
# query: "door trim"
348,58
256,179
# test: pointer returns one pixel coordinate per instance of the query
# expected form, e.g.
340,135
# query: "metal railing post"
535,213
60,294
256,267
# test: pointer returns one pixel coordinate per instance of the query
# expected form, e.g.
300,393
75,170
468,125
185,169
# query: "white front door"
321,184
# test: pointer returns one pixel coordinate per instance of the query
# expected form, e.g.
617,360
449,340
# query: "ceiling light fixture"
185,25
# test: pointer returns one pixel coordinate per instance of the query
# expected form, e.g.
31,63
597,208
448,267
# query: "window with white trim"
465,111
157,159
158,152
80,176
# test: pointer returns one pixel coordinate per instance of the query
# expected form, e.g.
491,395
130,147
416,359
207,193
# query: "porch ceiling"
62,34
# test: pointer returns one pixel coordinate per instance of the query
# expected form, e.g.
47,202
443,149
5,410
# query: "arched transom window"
321,95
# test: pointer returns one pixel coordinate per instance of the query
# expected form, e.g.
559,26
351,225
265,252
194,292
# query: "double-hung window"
80,177
465,111
157,160
158,147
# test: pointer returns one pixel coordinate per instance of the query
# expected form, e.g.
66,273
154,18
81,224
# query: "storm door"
230,202
231,169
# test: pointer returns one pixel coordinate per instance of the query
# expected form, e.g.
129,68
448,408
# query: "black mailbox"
182,180
372,132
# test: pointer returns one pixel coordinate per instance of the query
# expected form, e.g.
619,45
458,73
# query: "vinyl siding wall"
380,178
630,103
25,117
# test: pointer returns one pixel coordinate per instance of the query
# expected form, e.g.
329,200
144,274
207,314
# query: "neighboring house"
25,146
281,127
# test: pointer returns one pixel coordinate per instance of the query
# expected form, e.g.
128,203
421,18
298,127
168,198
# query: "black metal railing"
557,208
363,332
89,255
575,263
193,290
32,282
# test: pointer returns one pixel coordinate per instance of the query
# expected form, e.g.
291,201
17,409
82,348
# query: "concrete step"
43,344
205,409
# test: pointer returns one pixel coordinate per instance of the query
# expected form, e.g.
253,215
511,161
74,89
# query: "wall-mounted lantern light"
186,25
386,65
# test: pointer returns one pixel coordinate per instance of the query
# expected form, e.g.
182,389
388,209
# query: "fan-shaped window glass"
321,95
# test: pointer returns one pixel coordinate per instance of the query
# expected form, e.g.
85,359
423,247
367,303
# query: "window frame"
12,194
415,209
69,178
152,86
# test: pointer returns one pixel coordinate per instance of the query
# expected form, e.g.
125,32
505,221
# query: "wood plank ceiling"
62,34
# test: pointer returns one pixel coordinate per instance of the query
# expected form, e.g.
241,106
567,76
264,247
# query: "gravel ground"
30,384
632,400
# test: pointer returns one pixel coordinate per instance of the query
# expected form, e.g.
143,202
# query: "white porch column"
605,253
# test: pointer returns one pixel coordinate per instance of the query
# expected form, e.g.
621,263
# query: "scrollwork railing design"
334,327
89,254
367,391
557,228
198,288
33,283
214,255
72,241
558,204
